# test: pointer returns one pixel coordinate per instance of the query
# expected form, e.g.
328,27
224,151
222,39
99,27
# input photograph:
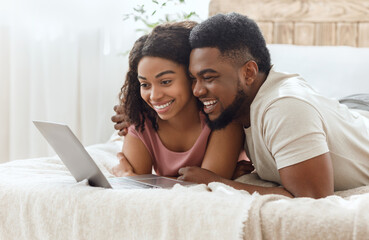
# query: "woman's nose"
156,93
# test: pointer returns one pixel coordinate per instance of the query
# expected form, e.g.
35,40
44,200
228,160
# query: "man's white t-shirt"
291,123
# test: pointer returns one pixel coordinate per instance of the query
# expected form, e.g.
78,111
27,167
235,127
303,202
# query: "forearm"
222,170
223,150
200,175
252,188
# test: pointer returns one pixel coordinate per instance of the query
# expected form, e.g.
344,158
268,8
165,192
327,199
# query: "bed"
39,199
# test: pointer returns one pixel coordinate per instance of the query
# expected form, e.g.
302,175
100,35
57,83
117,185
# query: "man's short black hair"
236,36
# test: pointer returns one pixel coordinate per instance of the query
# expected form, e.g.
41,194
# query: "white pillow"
334,71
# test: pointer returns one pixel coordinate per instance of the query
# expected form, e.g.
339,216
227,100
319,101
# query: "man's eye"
166,82
209,78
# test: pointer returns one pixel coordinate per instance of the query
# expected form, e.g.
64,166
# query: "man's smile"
209,105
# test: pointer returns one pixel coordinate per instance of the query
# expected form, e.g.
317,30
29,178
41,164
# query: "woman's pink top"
165,161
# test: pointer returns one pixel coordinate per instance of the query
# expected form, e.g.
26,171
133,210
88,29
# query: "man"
309,144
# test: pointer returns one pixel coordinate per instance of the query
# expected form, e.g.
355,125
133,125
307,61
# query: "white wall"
62,61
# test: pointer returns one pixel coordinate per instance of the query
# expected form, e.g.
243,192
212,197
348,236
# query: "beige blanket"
39,199
343,216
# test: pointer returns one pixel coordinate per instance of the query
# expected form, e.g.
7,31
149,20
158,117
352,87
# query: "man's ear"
249,72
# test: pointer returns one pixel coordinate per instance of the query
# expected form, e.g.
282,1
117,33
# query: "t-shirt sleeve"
293,131
132,131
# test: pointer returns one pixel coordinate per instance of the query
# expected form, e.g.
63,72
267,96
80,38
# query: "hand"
121,121
243,167
198,175
124,168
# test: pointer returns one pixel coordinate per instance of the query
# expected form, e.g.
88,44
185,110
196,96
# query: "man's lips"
209,105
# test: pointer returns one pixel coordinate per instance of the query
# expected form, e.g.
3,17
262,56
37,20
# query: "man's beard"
231,113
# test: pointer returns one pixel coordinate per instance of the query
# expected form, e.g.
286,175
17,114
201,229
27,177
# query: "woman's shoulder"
147,129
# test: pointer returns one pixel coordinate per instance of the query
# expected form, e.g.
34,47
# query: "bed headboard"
305,22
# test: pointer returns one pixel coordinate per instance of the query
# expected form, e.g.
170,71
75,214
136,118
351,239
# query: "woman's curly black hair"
236,36
168,41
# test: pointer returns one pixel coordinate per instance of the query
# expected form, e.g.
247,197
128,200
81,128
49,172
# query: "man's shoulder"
279,85
292,105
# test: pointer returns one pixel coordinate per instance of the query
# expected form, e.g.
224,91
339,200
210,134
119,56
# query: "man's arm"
311,178
200,175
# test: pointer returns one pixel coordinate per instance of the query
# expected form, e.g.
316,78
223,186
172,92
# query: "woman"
168,129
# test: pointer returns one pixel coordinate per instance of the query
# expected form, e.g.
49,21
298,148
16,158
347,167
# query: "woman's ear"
249,72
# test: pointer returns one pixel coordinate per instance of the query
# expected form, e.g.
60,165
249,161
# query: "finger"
116,171
118,118
121,156
123,132
118,108
182,171
121,126
180,178
124,162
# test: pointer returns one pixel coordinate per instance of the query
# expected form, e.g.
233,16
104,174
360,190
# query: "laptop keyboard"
124,183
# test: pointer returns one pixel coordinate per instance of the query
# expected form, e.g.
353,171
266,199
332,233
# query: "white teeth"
207,103
163,106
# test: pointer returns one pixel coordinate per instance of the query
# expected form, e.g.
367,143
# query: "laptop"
82,166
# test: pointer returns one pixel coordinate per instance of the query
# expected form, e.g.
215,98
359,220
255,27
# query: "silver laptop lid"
72,153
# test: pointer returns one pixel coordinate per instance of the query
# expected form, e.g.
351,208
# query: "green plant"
159,14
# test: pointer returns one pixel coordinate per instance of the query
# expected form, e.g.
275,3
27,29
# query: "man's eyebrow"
163,73
207,70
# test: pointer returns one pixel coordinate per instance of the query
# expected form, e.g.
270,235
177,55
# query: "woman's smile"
162,108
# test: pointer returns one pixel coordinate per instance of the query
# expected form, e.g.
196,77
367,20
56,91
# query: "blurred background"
65,61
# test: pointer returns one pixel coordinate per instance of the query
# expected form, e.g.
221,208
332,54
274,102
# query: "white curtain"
62,61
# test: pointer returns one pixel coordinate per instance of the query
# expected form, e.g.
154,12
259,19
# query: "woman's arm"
135,159
223,150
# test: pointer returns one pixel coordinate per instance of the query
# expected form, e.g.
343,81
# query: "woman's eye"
144,85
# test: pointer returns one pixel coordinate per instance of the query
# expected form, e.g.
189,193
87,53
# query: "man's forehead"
204,58
208,58
207,53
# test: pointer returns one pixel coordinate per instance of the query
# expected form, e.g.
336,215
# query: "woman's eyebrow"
163,73
157,75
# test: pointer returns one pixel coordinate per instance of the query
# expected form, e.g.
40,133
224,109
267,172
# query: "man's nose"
198,89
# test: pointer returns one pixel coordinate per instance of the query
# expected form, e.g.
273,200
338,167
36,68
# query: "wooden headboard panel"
305,22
